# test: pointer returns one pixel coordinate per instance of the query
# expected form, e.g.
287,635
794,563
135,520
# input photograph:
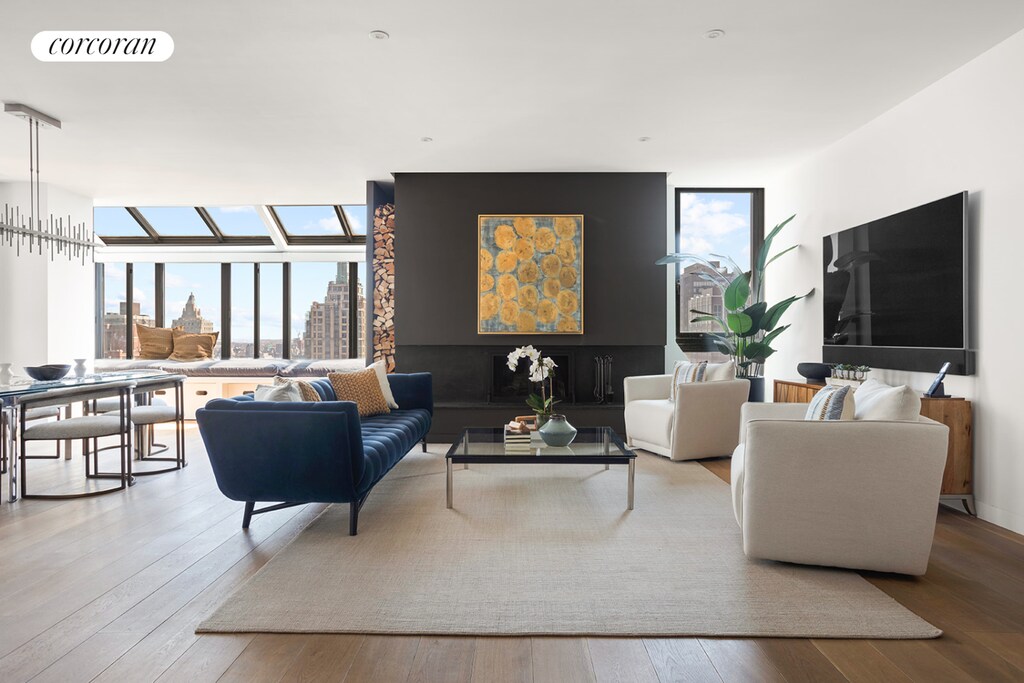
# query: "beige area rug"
550,550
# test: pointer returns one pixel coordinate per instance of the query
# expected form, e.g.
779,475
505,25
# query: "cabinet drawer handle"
201,392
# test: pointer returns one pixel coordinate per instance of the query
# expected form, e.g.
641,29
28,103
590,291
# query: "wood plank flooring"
111,589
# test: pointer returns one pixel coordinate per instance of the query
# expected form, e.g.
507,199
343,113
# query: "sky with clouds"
715,223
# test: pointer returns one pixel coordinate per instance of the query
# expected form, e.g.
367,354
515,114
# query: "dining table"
20,387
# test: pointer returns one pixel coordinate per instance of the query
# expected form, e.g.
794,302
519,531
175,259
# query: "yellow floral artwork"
530,274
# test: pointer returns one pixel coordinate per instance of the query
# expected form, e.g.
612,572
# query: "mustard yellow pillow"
363,387
188,346
155,343
306,389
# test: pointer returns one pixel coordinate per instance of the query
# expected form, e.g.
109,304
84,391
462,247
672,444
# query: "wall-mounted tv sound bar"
895,358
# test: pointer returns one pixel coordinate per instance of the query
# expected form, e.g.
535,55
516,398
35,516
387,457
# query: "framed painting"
530,277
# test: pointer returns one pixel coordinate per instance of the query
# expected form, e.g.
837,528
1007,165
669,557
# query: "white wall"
46,306
965,132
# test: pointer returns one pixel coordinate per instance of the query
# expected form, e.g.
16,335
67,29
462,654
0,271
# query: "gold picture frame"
529,274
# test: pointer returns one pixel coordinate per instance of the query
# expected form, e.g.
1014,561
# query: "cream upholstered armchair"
860,494
702,422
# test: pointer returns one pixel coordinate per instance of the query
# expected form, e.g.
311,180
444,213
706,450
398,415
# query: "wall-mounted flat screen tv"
895,290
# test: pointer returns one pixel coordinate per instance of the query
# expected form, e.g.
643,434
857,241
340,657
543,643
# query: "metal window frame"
349,237
154,238
160,318
697,341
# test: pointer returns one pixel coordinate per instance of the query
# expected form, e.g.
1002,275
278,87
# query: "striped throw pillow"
831,403
688,373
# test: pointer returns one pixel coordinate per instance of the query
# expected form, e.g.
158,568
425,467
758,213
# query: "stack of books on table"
517,440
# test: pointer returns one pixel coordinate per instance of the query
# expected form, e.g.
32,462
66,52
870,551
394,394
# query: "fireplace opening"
508,386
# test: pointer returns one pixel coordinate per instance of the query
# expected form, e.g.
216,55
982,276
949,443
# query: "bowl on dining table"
47,373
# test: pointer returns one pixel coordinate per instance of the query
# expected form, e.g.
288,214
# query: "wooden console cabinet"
955,413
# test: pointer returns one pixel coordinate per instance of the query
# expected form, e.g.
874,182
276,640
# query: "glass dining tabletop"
25,385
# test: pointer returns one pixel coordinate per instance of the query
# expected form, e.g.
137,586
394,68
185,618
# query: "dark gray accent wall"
436,259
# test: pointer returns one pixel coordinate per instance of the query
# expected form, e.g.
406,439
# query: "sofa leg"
424,444
247,516
353,519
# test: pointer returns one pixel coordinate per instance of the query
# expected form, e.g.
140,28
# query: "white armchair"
703,421
857,494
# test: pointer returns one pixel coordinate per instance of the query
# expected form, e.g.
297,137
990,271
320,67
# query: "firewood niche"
384,285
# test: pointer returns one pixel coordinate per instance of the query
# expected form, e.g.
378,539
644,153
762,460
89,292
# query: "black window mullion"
286,310
256,310
129,298
353,310
158,275
225,311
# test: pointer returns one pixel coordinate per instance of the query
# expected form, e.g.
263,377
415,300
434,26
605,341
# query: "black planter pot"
756,394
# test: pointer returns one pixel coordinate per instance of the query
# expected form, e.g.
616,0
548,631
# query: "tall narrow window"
243,310
321,327
115,310
271,309
723,227
143,300
192,295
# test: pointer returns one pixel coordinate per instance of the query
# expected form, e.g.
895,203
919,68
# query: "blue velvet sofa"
317,452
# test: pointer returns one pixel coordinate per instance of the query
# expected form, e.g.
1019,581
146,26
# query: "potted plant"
541,372
749,325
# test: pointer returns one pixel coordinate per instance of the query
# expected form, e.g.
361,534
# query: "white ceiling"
290,102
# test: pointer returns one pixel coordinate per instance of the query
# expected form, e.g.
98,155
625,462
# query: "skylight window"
310,221
355,215
115,221
175,221
237,221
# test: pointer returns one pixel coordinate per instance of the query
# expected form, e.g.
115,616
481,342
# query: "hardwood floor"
111,589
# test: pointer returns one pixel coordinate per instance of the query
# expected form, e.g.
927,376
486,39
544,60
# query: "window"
242,310
271,310
723,227
237,221
325,299
355,216
115,311
300,221
175,221
326,309
115,221
192,298
143,299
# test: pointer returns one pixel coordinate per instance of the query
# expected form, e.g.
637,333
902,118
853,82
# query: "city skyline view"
310,283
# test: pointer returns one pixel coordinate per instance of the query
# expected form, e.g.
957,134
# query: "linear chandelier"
56,235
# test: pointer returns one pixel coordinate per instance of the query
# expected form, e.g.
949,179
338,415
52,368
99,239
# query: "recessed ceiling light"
714,33
426,139
379,35
644,139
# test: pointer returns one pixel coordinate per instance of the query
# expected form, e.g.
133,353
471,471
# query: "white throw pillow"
385,386
281,393
720,372
878,401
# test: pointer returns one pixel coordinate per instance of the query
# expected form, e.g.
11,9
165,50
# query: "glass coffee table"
592,446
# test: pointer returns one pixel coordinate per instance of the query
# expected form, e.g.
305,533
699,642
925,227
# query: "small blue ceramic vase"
557,431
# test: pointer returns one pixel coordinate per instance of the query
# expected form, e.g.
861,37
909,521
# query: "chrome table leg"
448,467
632,479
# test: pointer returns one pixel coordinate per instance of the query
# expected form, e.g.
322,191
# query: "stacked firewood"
384,285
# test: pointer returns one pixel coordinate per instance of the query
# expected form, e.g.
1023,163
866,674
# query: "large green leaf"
756,312
709,319
773,314
757,351
739,323
736,294
781,253
724,347
770,337
762,255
